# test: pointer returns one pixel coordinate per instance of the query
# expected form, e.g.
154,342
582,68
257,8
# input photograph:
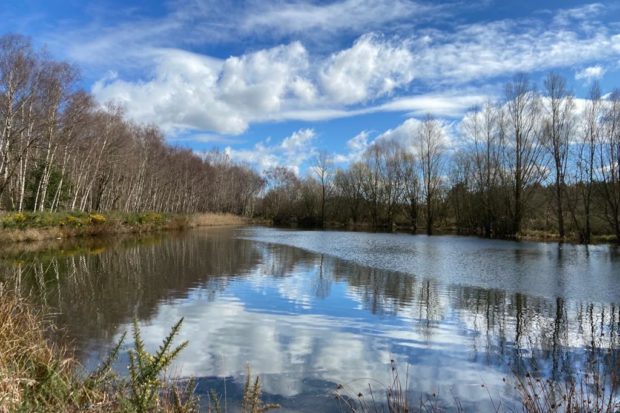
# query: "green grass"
75,219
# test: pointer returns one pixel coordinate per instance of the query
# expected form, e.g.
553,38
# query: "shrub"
96,218
14,220
145,369
76,221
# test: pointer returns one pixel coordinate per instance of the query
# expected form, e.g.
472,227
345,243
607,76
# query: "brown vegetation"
596,391
216,220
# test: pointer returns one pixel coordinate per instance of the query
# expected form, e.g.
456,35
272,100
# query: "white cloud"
297,17
590,73
202,138
356,146
371,68
190,91
404,134
484,50
292,152
437,104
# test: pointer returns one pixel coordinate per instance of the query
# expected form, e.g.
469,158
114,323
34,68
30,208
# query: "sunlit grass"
39,226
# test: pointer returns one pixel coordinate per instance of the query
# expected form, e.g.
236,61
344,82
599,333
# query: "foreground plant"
592,393
393,399
38,376
34,375
252,396
146,370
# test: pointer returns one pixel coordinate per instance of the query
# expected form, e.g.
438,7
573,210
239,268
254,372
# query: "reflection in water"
306,321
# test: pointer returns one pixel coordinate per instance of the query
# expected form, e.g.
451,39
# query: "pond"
311,310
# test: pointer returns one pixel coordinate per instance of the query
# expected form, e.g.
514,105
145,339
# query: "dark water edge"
527,235
311,310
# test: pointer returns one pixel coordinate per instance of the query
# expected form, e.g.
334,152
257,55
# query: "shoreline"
525,236
19,227
33,227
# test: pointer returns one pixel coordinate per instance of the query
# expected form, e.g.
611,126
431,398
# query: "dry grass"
38,376
31,234
393,397
30,367
216,220
594,392
597,391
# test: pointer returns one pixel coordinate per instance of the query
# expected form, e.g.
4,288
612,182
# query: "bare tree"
609,163
557,133
350,186
583,173
323,169
430,149
482,129
523,152
412,190
373,191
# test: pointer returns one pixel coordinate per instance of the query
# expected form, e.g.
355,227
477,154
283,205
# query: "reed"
596,390
593,392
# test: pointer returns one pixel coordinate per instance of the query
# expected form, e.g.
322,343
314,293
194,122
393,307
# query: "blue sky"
273,82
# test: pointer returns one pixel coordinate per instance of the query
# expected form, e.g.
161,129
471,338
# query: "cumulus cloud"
371,68
404,134
191,91
292,152
590,73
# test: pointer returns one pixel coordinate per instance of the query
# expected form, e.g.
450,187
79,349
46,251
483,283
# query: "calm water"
309,310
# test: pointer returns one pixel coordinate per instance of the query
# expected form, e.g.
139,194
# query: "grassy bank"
28,226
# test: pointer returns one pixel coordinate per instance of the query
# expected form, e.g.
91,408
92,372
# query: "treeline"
537,160
534,161
59,150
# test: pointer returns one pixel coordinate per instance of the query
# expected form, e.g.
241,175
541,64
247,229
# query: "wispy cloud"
356,16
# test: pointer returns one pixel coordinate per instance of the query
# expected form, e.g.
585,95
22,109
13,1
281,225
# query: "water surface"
309,310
